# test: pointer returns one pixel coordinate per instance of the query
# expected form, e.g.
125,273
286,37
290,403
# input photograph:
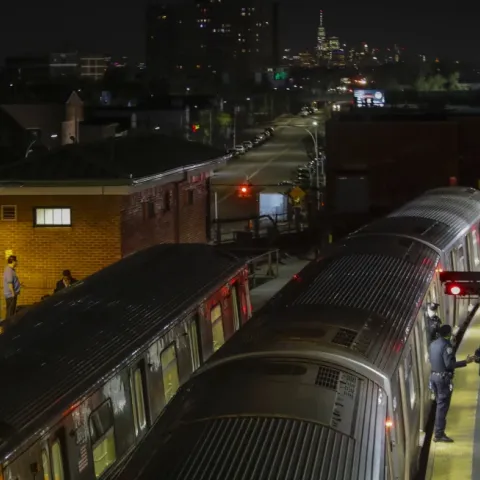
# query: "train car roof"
61,347
362,298
438,218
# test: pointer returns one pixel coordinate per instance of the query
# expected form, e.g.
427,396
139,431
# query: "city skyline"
117,28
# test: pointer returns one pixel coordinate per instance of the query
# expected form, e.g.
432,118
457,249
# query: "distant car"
256,142
247,144
269,131
262,137
232,151
304,113
240,149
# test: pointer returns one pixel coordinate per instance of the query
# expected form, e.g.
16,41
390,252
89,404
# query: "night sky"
116,26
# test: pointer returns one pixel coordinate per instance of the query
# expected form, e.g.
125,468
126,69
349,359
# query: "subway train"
86,373
330,379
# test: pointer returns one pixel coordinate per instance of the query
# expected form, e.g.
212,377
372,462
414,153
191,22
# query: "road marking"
256,172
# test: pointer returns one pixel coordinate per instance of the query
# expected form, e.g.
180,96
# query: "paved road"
264,166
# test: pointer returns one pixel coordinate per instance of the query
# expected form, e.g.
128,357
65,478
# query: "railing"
236,230
262,268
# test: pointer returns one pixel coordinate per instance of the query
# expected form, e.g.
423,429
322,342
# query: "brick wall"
173,213
91,243
193,214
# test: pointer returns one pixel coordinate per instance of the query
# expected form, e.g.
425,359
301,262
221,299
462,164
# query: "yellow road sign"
297,193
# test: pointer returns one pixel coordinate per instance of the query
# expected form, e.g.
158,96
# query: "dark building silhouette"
203,45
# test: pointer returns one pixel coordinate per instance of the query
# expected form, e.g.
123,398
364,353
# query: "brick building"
83,207
377,161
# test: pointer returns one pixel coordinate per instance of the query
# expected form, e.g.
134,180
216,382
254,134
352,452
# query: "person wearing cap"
434,322
11,286
443,363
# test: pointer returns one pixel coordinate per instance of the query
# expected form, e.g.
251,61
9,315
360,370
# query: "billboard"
369,98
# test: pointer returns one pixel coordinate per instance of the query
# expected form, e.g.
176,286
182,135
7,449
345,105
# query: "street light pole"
317,157
317,160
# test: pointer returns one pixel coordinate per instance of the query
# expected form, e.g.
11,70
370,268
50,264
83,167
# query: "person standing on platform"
444,363
11,286
434,322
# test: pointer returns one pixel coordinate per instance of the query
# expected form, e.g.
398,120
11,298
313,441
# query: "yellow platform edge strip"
453,461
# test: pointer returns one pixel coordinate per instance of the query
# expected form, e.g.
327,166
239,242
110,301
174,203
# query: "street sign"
297,193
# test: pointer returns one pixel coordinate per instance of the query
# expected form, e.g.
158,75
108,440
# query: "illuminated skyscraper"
321,39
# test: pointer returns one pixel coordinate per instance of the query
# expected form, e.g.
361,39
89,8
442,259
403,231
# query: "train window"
194,345
408,365
475,249
236,312
461,259
45,465
171,380
102,436
217,327
138,401
57,461
453,262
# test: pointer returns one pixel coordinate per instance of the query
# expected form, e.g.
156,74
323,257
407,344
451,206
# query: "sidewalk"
260,295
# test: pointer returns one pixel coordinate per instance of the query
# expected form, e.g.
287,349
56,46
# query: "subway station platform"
461,460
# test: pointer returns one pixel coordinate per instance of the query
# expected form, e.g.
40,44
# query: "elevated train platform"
461,460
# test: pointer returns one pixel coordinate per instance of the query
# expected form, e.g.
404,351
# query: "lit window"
102,436
171,382
52,217
217,327
57,462
476,255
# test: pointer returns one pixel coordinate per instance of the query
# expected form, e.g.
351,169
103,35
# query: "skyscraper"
211,43
321,39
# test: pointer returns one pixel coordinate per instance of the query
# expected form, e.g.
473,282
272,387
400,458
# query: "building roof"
57,351
120,161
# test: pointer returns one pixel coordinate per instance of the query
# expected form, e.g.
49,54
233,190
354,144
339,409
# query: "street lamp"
317,157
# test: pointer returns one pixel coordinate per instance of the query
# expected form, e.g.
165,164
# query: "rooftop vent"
344,337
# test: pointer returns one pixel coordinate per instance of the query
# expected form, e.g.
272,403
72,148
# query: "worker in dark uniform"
444,363
434,322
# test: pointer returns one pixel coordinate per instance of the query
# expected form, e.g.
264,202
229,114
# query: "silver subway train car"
87,373
330,379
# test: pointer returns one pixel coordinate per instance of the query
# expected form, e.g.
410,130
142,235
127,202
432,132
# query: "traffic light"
195,127
245,190
462,289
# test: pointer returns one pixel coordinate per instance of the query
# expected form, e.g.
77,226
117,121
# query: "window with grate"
9,213
344,337
327,377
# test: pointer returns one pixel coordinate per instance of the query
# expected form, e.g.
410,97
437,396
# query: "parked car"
247,144
240,149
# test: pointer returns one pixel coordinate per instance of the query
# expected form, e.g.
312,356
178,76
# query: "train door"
170,375
138,392
236,311
399,429
57,458
423,370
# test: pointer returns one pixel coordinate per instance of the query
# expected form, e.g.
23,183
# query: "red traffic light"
244,191
453,289
195,127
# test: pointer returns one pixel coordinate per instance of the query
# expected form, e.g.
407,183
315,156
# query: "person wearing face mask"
434,322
